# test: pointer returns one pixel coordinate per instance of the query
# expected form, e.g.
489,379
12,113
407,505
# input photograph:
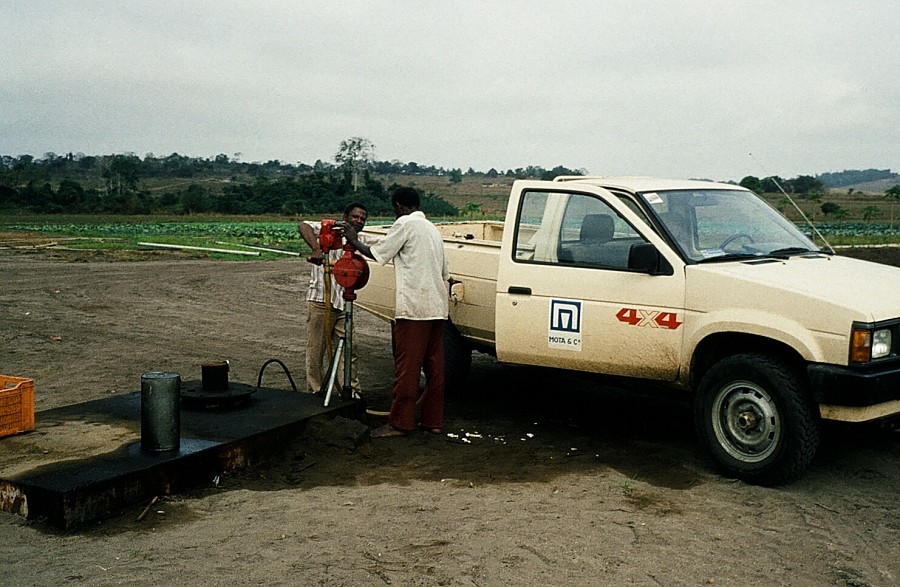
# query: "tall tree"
752,183
121,173
804,184
355,154
770,185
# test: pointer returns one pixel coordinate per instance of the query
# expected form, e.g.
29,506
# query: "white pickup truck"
698,285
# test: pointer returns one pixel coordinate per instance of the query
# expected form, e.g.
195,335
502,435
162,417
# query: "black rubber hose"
286,372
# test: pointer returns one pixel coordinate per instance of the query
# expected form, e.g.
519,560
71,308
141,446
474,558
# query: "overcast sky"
715,89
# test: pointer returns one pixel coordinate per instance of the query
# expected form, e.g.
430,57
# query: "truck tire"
754,417
457,358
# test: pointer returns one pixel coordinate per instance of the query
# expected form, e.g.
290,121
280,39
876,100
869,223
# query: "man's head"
356,214
405,200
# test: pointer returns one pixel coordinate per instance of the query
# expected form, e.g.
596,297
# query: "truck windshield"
710,225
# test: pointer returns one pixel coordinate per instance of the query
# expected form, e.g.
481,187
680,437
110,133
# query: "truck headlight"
867,344
881,343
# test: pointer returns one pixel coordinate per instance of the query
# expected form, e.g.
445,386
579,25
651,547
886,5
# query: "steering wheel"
733,238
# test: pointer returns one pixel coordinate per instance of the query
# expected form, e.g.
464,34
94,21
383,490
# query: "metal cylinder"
160,411
214,375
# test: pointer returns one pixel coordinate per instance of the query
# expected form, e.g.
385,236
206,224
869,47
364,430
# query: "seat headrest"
597,227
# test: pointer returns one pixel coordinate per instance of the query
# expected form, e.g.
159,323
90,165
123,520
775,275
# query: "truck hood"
864,291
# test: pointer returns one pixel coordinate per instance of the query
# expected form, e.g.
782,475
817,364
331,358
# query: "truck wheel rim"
746,422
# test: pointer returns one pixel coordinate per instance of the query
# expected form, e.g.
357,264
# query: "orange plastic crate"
16,405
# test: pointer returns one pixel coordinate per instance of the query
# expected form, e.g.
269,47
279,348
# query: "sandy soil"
549,480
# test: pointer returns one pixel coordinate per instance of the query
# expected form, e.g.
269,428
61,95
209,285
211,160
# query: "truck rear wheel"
457,358
754,417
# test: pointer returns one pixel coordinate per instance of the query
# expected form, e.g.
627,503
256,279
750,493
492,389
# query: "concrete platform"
85,461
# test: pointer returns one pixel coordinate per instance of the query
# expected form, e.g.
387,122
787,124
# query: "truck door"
566,297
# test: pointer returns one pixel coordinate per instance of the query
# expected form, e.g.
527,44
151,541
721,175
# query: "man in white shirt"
414,245
355,214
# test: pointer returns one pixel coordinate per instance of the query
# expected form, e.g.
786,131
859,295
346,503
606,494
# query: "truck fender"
750,323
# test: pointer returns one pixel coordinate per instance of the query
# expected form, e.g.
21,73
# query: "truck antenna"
794,204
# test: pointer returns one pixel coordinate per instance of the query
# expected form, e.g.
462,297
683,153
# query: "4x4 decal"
649,318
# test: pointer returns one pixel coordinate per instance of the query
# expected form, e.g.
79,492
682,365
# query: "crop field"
126,233
260,232
129,234
478,199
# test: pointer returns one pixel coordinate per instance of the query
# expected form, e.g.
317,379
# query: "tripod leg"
332,370
326,268
347,390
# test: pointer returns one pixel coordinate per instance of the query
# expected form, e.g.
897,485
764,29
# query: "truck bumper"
856,394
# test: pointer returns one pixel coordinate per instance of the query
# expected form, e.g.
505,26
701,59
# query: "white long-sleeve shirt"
414,244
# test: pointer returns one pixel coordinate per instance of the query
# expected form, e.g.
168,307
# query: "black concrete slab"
85,461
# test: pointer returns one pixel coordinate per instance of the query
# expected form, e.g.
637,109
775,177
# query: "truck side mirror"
645,258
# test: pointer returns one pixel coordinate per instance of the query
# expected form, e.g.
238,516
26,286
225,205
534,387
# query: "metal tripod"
345,346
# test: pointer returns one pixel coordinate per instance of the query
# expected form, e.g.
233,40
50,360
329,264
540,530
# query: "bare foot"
387,431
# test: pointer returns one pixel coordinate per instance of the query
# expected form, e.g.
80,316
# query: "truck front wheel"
754,417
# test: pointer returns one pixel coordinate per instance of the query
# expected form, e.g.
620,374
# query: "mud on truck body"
699,286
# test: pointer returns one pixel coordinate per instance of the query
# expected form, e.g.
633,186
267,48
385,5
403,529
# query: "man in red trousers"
414,244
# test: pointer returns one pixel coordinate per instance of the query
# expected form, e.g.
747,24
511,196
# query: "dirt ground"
545,480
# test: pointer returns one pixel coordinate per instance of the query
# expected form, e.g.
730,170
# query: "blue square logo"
565,316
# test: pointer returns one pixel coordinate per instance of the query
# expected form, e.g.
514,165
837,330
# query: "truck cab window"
573,229
710,224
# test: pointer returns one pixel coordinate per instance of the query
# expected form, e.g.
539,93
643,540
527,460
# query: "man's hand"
349,233
351,236
312,239
316,257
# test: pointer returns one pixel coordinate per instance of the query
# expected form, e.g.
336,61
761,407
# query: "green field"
255,234
867,220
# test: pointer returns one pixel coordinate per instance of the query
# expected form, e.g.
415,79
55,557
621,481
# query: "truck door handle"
515,289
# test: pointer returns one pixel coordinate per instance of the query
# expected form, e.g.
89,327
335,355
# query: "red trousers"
418,346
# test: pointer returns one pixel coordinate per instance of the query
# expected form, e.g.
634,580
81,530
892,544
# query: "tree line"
128,184
801,185
818,184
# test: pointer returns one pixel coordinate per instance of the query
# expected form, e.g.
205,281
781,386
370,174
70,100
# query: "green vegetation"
261,232
124,233
176,184
855,233
119,200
